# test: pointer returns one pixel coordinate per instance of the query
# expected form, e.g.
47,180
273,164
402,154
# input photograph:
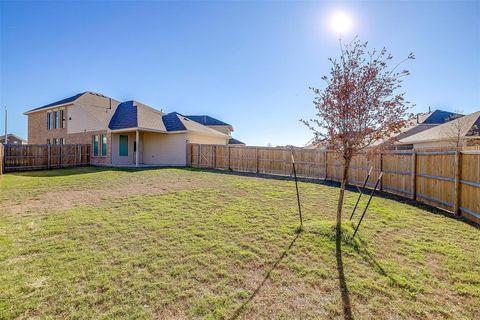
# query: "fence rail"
446,179
34,157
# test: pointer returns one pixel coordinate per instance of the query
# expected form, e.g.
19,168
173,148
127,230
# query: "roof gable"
172,122
124,117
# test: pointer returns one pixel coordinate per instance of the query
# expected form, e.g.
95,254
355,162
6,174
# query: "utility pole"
6,137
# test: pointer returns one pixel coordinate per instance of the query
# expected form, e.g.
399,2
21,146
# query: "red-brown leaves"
360,104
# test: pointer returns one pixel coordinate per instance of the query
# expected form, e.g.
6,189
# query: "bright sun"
340,22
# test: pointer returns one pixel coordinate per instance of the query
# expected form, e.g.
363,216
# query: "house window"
61,141
62,118
104,145
55,119
95,145
49,120
48,141
55,141
123,146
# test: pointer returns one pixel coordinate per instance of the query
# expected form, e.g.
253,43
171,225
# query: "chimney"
418,118
429,109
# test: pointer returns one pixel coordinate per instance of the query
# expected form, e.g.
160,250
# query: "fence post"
256,159
229,158
199,154
214,155
414,175
326,164
49,158
2,158
381,170
458,173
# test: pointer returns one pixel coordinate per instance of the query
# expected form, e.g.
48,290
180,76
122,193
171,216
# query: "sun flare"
341,22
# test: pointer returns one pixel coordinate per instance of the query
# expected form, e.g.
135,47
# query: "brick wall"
38,134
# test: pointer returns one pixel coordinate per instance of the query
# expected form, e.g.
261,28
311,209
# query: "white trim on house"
49,108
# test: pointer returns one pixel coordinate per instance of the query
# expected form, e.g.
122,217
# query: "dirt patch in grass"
53,196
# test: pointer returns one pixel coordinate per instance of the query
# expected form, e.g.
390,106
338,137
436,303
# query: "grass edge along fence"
17,157
447,179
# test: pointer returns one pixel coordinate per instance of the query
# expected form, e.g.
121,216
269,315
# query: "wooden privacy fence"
446,179
44,156
1,159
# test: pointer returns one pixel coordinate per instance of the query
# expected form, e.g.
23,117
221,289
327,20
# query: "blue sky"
246,63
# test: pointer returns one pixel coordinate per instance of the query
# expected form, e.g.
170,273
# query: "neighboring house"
121,133
462,131
12,139
419,123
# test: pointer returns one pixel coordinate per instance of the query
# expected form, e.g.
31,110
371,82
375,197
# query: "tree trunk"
342,193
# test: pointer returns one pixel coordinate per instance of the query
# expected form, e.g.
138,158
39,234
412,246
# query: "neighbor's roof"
11,135
64,101
467,126
440,117
207,120
234,141
420,122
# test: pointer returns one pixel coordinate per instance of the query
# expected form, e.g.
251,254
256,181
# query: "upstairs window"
61,141
95,145
104,145
62,118
55,119
48,141
49,120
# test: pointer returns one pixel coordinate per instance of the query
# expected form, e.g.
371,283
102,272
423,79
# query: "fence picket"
406,173
32,157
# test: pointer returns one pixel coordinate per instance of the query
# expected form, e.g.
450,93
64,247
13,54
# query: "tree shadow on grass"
369,258
239,310
347,307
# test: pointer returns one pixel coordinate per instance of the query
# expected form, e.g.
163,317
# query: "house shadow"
350,188
57,172
239,310
70,171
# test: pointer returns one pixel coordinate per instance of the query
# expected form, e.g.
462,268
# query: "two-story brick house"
122,133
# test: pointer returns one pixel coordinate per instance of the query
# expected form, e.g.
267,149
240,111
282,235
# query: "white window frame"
49,120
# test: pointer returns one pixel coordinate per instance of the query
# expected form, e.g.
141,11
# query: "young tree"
456,130
359,105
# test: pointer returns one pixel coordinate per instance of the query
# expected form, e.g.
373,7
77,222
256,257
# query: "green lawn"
180,244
